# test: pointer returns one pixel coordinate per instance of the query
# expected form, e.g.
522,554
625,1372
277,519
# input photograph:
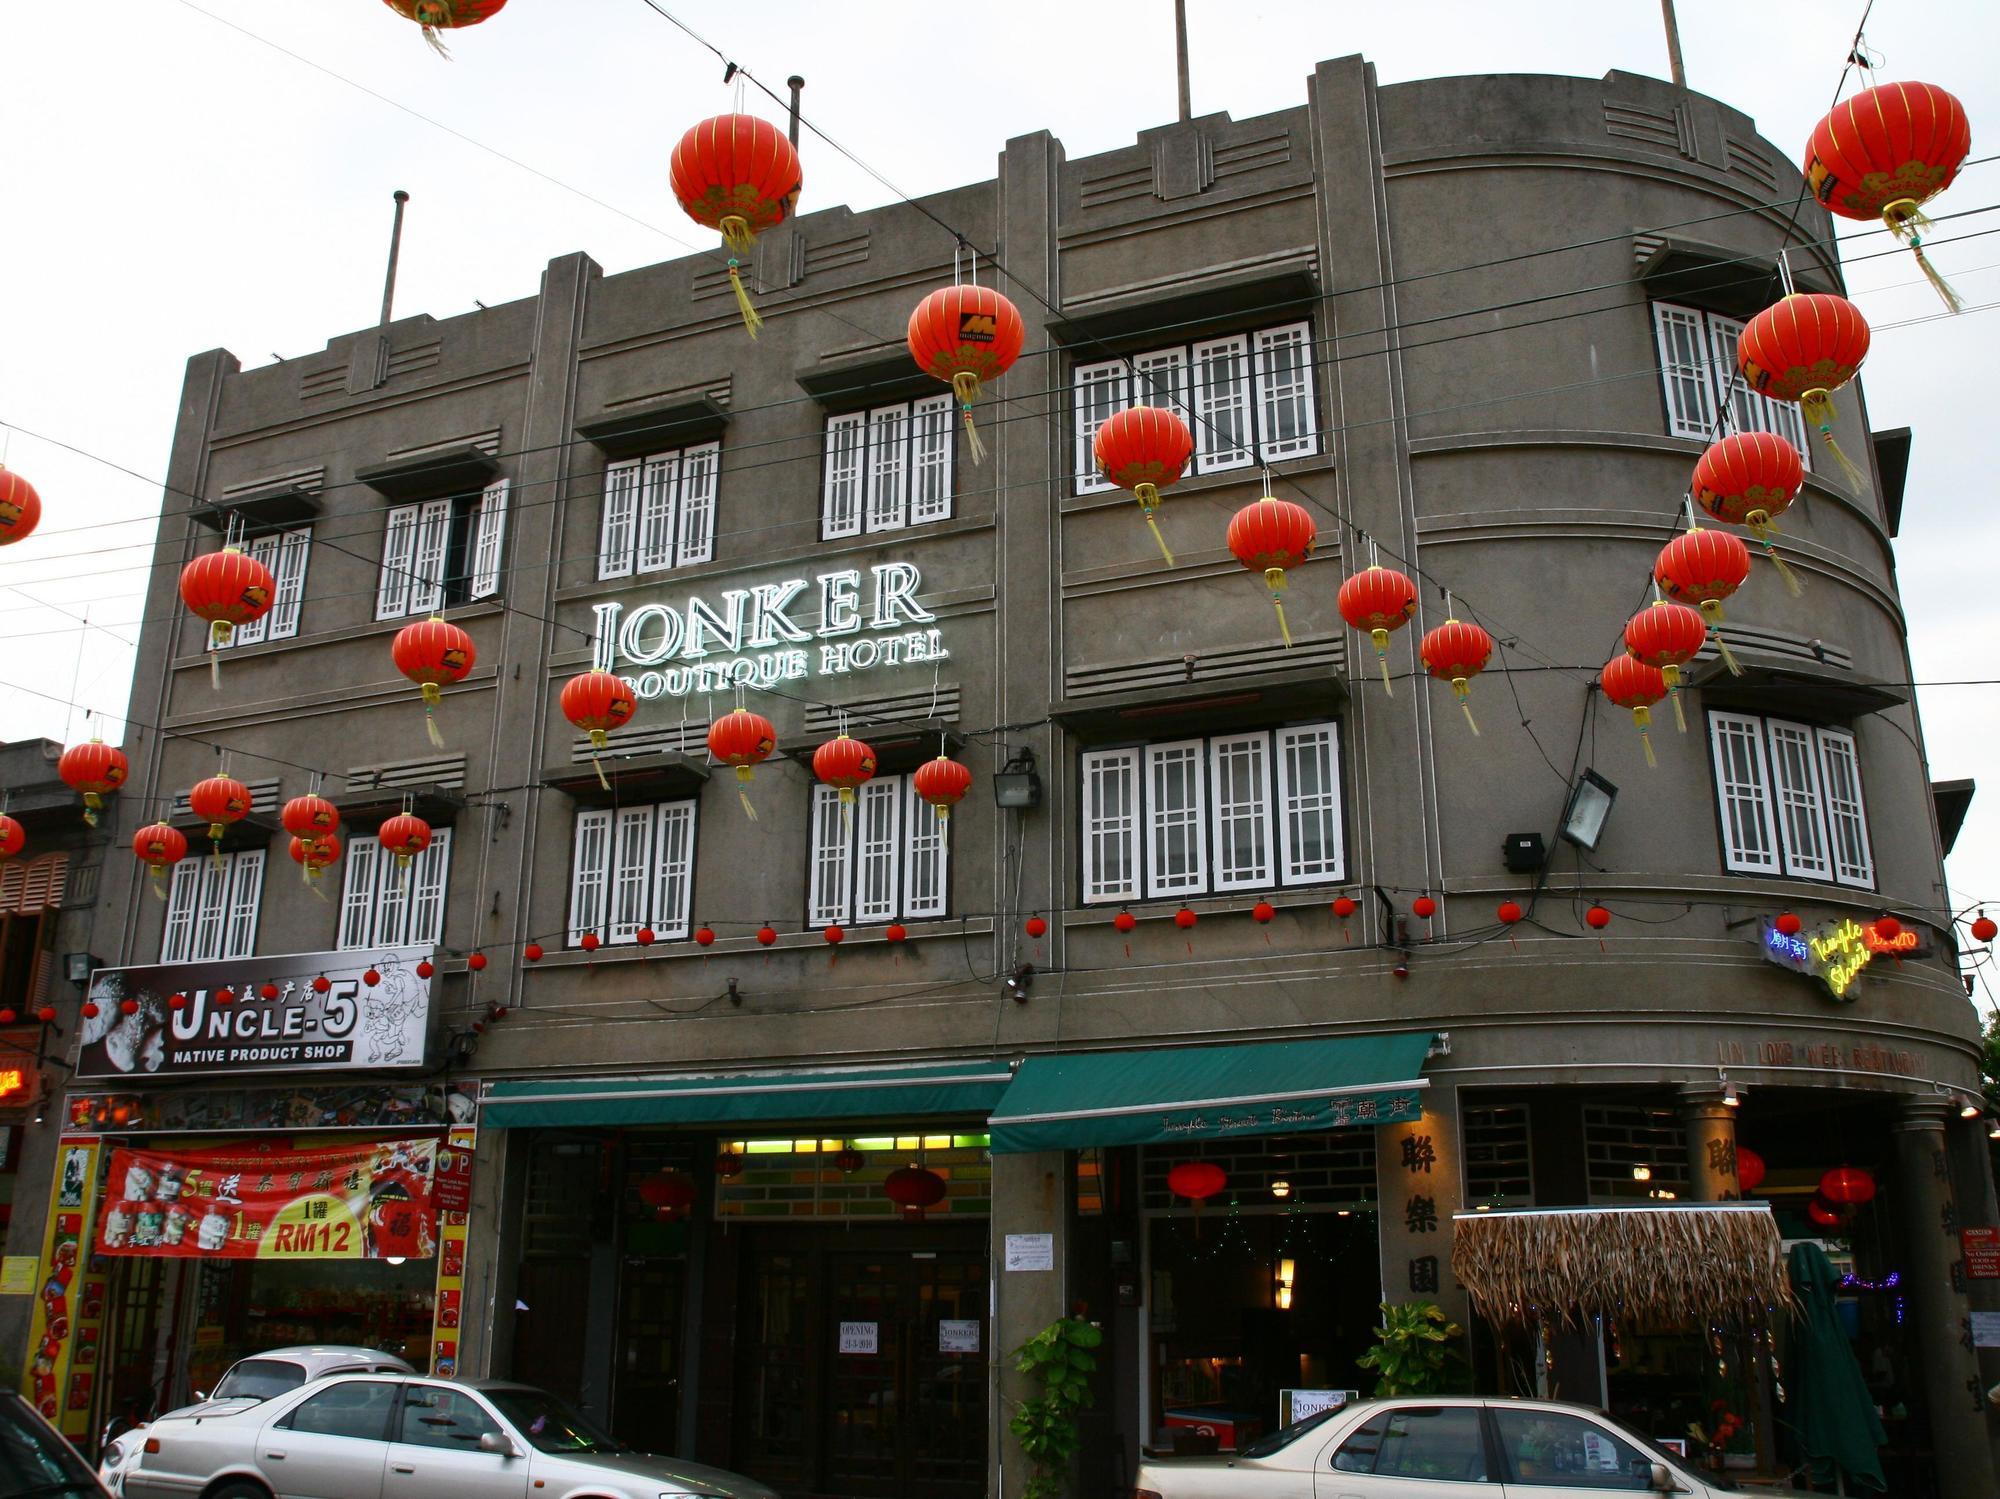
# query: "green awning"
886,1093
1212,1092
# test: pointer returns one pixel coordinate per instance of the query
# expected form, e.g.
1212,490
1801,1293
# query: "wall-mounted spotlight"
1020,981
1015,784
1589,806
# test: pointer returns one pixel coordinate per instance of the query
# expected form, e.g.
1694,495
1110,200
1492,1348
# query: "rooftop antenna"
1181,58
1673,44
395,253
792,129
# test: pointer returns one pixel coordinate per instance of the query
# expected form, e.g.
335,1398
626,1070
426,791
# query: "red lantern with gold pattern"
95,770
445,15
964,335
227,588
1749,1169
309,816
405,835
1631,683
432,653
1378,600
1668,636
159,846
943,783
1748,479
1456,652
738,175
1847,1186
13,837
20,507
313,853
1144,449
1888,151
745,740
913,1189
1271,536
598,702
1703,567
846,764
219,801
1803,349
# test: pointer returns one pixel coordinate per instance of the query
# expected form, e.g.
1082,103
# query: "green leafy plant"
1415,1349
1059,1358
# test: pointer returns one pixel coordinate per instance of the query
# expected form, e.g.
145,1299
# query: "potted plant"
1415,1349
1059,1357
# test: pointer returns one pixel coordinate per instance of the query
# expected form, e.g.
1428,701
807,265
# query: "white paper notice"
1031,1252
955,1336
858,1337
1986,1329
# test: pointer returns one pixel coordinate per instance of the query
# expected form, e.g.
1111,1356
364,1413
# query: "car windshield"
549,1424
1279,1440
35,1463
258,1379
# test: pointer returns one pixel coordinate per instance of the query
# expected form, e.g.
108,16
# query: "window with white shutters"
632,869
441,552
212,908
1743,794
1285,425
1110,826
1700,381
1100,395
1790,800
1176,846
658,512
1846,816
695,536
284,554
882,858
1311,846
1795,789
1240,809
618,520
1221,422
888,468
385,903
487,541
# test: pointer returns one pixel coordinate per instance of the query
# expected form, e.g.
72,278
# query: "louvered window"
441,552
212,908
887,469
284,553
1240,806
658,512
632,868
1699,378
884,857
1789,800
387,904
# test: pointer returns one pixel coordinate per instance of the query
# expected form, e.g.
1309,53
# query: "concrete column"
1028,1198
1952,1389
1419,1184
1711,1146
1978,1206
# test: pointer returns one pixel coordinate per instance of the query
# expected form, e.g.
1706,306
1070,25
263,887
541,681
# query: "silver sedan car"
407,1437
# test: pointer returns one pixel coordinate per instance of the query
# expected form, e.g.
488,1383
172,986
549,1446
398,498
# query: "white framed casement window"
212,908
658,512
632,868
1246,811
883,858
1789,800
1699,378
888,468
384,904
441,552
1247,397
284,553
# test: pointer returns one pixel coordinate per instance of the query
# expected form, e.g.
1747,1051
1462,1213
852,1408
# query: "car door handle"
275,1456
401,1468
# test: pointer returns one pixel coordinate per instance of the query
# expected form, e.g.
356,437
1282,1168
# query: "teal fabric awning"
1212,1092
886,1093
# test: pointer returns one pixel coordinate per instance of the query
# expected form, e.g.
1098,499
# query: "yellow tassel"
319,888
751,321
1381,639
1909,224
1274,579
1952,300
1712,611
218,640
966,385
215,843
598,765
1464,690
1728,657
433,695
743,775
437,43
1643,717
1148,496
431,729
159,882
1817,405
1680,718
736,233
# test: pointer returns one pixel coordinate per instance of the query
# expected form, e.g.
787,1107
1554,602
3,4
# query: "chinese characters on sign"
1834,953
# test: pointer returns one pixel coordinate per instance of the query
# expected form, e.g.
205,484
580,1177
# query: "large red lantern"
1749,479
159,846
1269,537
432,653
1631,683
1144,449
1197,1181
448,15
1888,151
20,507
312,854
913,1189
1803,349
738,175
227,588
1703,567
309,816
1456,652
943,783
1847,1186
219,801
669,1194
13,837
745,740
1668,636
598,702
405,835
95,769
1749,1169
1378,600
964,335
846,764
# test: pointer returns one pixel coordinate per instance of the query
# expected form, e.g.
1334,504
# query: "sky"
181,175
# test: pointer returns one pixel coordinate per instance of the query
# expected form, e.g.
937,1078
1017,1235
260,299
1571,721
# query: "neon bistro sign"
1834,953
750,638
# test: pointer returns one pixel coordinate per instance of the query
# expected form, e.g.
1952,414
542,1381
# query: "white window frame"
1111,829
284,554
1699,375
212,908
384,905
1814,824
632,867
658,512
1321,803
421,540
888,468
885,857
1255,811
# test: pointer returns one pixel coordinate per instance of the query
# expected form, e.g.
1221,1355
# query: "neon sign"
13,1082
750,638
1834,953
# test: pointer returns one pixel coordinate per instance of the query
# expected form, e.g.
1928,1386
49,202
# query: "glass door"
869,1342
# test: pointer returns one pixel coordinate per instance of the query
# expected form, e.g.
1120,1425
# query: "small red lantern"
1263,912
1598,917
644,936
745,740
369,976
9,1017
914,1189
1803,349
1788,924
46,1014
405,835
1036,927
766,936
448,15
227,588
219,801
598,702
964,335
1509,912
943,783
225,996
1984,928
1888,928
1629,682
314,854
669,1194
846,764
1456,652
91,1011
532,952
1197,1181
96,770
322,984
432,653
126,1007
590,942
1125,923
1144,449
835,935
704,936
1847,1186
1703,567
1344,906
159,846
738,175
895,931
1184,918
309,816
1271,536
848,1160
1668,636
1378,600
1423,906
728,1165
476,962
14,838
20,507
1749,1169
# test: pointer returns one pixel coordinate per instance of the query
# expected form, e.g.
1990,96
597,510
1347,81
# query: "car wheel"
240,1488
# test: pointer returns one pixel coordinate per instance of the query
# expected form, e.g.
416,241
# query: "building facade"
1481,328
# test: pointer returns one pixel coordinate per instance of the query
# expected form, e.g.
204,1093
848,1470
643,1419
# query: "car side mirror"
201,1394
1660,1479
495,1443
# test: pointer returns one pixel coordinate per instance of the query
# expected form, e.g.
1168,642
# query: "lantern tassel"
1910,224
433,696
736,233
1818,408
215,843
751,320
1712,609
599,740
1148,496
1643,717
437,43
1680,715
596,764
218,640
1763,528
159,882
1463,689
966,384
743,775
1381,639
1274,579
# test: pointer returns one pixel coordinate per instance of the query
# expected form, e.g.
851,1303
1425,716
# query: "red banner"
342,1202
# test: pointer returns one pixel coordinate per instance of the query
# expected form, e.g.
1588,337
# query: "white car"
396,1436
1463,1448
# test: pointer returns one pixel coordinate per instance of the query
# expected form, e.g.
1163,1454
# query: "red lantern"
1456,652
1598,917
432,653
532,952
728,1165
94,769
1036,927
322,984
669,1194
1423,906
598,702
1631,683
964,335
476,962
1509,912
1125,923
1888,928
1983,928
590,942
848,1160
1748,479
219,801
1788,924
270,991
1344,906
369,976
1703,567
745,740
1667,636
1269,537
766,936
91,1011
1196,1180
227,588
1888,151
46,1014
1749,1169
1847,1186
846,764
704,936
13,837
895,931
738,175
1263,912
309,816
1803,349
644,936
1184,918
446,14
913,1189
20,507
314,854
1378,600
835,935
159,846
405,835
1144,449
943,783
